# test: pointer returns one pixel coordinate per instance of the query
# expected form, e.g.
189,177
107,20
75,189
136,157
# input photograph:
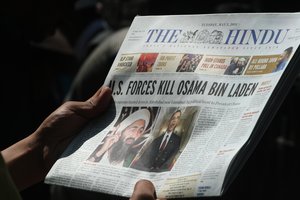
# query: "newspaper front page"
188,91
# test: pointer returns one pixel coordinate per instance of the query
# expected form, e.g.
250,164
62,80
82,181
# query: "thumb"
94,105
100,101
143,190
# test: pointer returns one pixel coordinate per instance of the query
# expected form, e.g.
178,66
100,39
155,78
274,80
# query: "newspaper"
188,91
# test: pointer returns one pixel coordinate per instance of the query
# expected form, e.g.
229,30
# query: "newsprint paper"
188,91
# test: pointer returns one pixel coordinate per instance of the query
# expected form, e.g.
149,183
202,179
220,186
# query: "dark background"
271,171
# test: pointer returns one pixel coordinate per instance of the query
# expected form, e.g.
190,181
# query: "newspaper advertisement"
188,91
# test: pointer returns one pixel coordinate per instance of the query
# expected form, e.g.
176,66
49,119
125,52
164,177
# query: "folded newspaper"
193,95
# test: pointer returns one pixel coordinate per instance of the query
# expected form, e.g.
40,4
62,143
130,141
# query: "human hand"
61,126
36,154
110,139
144,190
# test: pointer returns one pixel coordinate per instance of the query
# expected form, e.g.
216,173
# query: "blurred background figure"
104,46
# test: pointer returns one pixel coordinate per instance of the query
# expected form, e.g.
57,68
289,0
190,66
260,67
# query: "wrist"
25,156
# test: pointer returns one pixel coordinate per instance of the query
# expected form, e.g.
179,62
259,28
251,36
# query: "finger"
113,139
115,129
104,93
118,134
94,106
143,190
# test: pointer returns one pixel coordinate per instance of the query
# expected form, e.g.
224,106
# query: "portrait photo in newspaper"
237,65
168,140
189,62
146,62
129,132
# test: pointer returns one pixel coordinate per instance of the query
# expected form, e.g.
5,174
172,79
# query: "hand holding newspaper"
193,95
